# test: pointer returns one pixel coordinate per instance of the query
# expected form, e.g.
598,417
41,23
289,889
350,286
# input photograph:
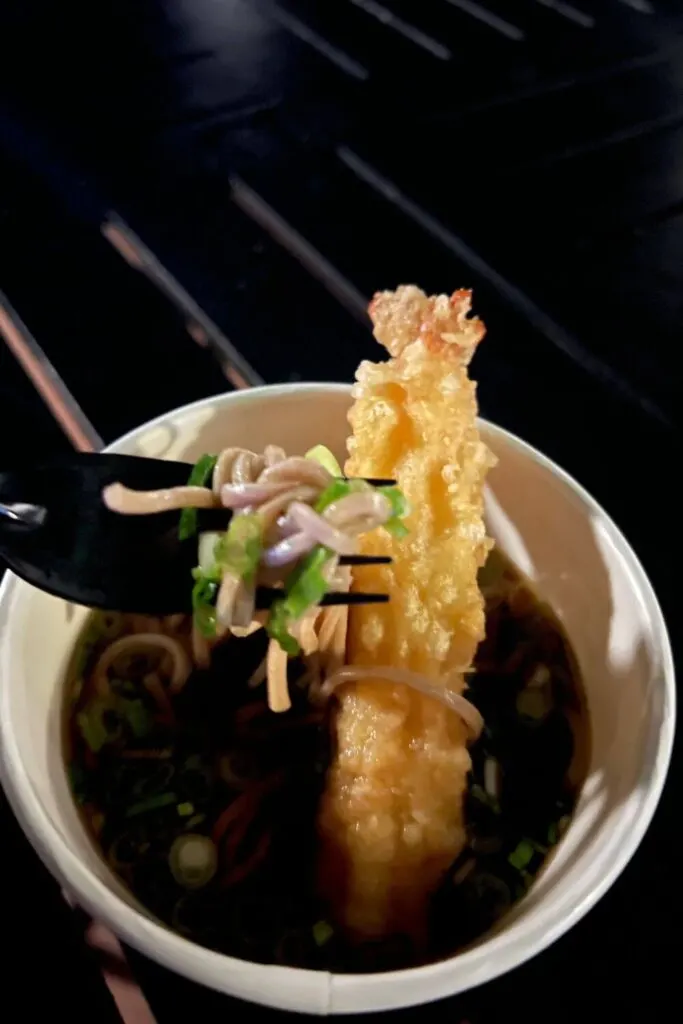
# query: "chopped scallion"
99,723
195,820
305,587
199,477
324,457
399,510
208,542
239,550
278,628
185,810
136,715
204,604
322,932
333,492
522,855
152,803
193,860
534,703
92,729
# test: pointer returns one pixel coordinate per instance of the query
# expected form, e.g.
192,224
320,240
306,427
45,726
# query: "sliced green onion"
199,477
534,703
333,492
339,489
92,729
322,932
93,724
208,542
399,510
240,548
136,715
195,820
100,721
278,628
325,458
152,803
553,834
185,810
397,499
397,528
305,587
522,855
193,860
204,604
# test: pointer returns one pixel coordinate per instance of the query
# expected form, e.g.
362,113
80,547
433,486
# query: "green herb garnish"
152,803
324,457
339,489
278,628
522,855
204,603
305,587
239,549
322,932
136,715
94,727
199,477
399,510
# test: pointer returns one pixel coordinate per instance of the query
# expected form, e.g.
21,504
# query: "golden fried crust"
391,816
401,317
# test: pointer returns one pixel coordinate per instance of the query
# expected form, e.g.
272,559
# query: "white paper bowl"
555,533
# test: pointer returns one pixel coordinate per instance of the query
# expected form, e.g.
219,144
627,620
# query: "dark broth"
229,769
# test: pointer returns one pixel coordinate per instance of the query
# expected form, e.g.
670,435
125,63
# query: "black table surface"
263,166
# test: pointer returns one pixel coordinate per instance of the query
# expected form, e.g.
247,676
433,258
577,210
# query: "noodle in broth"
204,802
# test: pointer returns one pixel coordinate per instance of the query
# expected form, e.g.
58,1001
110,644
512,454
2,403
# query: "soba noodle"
373,822
283,495
194,769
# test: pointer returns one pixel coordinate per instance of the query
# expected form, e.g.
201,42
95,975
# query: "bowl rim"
343,993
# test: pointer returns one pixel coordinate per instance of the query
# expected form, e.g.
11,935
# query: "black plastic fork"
57,533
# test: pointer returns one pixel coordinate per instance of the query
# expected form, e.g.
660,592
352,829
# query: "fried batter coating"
391,818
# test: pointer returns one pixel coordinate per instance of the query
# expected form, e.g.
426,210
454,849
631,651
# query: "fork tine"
365,560
336,598
376,481
265,596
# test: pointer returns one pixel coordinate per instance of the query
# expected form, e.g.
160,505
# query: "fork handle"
18,514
